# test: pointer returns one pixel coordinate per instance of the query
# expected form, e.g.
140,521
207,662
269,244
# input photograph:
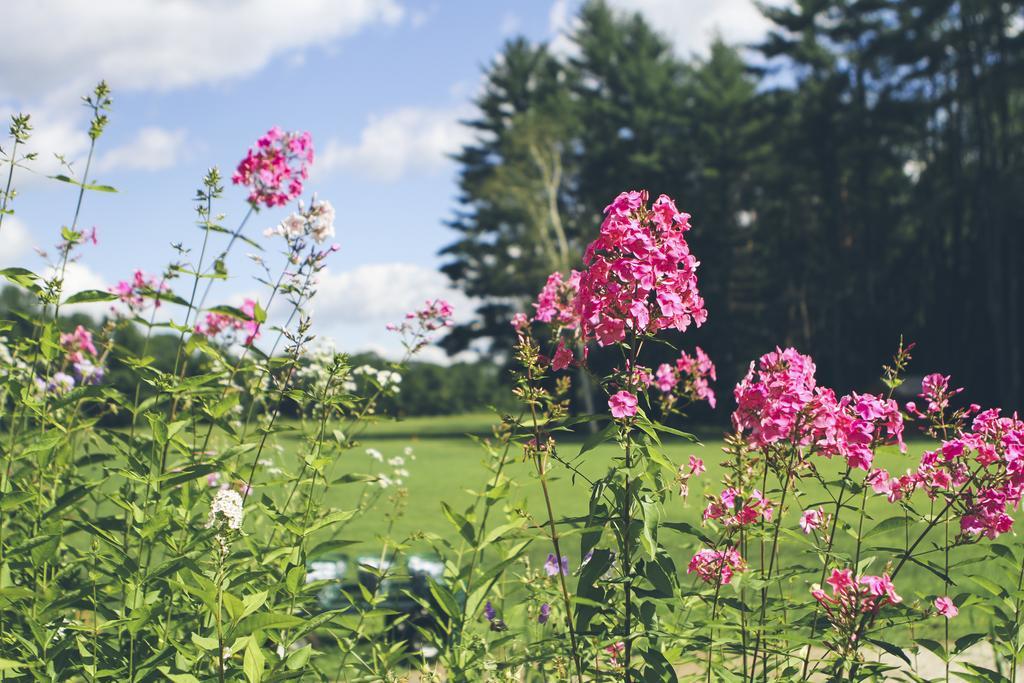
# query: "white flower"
385,481
396,461
407,450
375,454
321,221
226,506
386,377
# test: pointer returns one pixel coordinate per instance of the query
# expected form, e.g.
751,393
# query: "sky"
382,85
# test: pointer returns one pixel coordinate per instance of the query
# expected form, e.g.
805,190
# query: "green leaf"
209,644
935,647
253,661
444,598
230,311
89,296
887,525
10,665
14,499
894,650
598,438
298,659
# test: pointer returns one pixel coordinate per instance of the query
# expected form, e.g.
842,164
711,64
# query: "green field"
449,467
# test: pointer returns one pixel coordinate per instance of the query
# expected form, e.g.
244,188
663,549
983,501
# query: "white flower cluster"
387,379
398,473
226,508
318,223
11,365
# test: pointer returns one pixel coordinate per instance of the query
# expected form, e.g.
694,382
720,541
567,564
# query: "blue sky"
381,85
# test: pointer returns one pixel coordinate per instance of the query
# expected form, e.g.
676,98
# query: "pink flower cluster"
936,393
980,472
217,323
772,400
694,468
82,355
851,597
133,293
76,343
733,509
640,274
418,328
275,169
694,373
779,401
556,301
854,426
716,566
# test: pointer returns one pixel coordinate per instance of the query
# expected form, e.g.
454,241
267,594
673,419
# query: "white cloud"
16,241
56,50
383,293
79,277
155,44
405,140
509,24
152,149
691,25
561,25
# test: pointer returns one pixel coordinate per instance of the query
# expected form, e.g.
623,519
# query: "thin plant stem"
542,473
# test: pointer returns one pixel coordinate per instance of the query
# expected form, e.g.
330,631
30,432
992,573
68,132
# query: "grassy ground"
449,466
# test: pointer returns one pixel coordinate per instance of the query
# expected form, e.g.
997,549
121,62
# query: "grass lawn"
449,466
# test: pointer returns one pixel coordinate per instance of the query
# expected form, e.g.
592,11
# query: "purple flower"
552,567
545,612
61,383
88,372
489,611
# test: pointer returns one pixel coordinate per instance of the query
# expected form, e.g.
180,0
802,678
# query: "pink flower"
696,466
773,400
622,404
556,302
665,378
77,342
716,566
275,169
217,323
613,651
520,323
562,359
840,580
134,293
811,520
945,607
420,326
733,508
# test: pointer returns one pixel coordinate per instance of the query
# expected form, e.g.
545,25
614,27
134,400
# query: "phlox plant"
180,524
812,562
166,532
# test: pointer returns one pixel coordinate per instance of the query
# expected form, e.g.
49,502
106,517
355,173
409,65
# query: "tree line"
854,177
